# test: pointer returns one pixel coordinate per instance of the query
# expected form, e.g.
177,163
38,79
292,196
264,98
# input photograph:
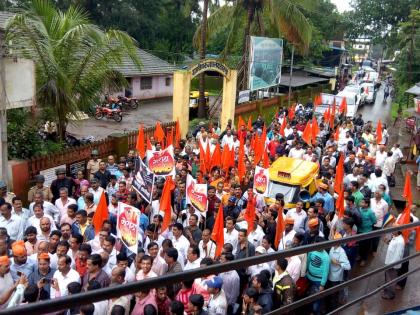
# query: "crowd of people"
49,248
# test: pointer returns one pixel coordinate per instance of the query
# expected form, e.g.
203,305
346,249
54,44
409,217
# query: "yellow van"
194,96
293,178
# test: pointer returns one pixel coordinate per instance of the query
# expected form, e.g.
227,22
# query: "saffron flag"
241,123
266,160
140,143
249,126
406,214
159,134
343,106
407,194
149,145
169,137
283,126
165,202
203,167
379,132
250,213
339,175
327,115
307,133
177,133
216,158
337,133
101,214
291,113
218,234
279,228
332,116
207,156
315,129
339,203
241,160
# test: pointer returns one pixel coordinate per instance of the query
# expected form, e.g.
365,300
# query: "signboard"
261,180
210,65
196,194
143,182
49,174
265,57
243,96
20,82
128,220
75,167
161,163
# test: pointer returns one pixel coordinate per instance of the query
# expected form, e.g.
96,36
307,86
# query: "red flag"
339,175
343,106
159,134
249,126
208,156
315,129
337,133
218,234
407,194
307,133
165,202
418,239
177,133
327,115
140,142
149,145
280,228
283,127
266,160
203,167
317,100
379,132
169,137
250,213
262,141
101,214
241,122
332,116
216,158
339,204
291,113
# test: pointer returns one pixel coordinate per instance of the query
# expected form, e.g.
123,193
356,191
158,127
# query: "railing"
83,153
63,303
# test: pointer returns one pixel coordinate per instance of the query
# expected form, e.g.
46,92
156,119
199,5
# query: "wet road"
377,111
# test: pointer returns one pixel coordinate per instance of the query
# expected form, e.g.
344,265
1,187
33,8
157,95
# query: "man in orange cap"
313,230
42,276
288,234
324,194
20,263
7,285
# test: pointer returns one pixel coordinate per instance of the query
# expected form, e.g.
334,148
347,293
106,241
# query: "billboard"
265,59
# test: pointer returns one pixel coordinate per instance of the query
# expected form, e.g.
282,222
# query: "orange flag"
159,134
317,100
101,214
169,137
339,174
283,127
177,133
207,157
307,133
266,160
149,145
337,134
216,158
232,157
406,214
379,132
250,213
249,126
218,234
332,116
241,162
343,106
339,203
280,228
327,115
291,112
257,149
203,167
140,143
315,129
407,194
241,122
418,239
262,141
165,202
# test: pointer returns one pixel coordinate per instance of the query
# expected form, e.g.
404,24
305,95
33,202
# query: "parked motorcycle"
108,112
72,141
131,103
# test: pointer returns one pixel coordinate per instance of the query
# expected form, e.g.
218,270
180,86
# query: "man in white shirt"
394,253
206,245
256,269
217,304
11,222
7,285
64,201
231,281
231,234
48,207
180,242
108,246
227,139
288,234
62,277
297,152
381,155
36,218
298,215
193,258
397,154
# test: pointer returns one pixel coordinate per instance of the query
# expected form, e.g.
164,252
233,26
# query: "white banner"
161,163
128,221
196,194
261,180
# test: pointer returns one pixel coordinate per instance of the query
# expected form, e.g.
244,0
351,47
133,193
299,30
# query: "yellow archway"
181,94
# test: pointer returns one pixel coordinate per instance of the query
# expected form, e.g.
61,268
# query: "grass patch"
394,111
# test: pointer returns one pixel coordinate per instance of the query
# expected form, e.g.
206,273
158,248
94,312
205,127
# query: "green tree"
75,60
203,40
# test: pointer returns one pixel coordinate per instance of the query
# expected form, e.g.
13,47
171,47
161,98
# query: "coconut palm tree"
75,60
245,17
203,39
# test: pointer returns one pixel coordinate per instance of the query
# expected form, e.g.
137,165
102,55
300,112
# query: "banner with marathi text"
261,180
128,226
161,163
143,182
196,194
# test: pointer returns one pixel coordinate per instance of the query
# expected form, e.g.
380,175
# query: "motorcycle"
131,103
72,141
110,113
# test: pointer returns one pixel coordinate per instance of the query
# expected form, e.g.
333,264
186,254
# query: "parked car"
357,89
353,102
369,90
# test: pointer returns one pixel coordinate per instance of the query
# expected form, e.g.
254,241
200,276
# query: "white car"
357,89
353,102
369,91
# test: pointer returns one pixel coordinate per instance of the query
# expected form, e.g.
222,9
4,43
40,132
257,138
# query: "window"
168,81
146,83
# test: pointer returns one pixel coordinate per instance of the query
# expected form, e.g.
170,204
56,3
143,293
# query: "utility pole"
3,116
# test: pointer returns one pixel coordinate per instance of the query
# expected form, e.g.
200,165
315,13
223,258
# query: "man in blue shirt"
325,195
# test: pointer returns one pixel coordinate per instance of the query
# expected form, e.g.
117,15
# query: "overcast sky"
342,5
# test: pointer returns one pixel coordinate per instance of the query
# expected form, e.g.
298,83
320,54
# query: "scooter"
110,113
